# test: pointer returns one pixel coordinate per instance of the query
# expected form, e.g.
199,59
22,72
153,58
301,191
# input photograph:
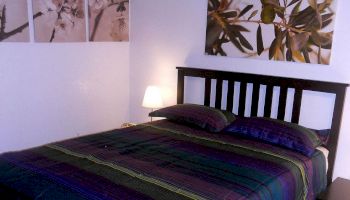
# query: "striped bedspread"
160,160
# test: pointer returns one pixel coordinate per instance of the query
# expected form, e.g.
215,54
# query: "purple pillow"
281,133
211,119
323,134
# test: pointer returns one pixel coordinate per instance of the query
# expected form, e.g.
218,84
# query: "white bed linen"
325,153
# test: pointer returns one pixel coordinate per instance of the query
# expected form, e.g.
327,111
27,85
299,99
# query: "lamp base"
151,117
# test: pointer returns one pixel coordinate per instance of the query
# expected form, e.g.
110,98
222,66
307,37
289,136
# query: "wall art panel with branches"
60,21
64,20
108,20
14,21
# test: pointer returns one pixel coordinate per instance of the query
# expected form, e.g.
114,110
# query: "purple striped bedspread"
160,160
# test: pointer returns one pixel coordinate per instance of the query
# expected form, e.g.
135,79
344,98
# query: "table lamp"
152,98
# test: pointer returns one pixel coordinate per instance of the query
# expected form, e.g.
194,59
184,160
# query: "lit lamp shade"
152,98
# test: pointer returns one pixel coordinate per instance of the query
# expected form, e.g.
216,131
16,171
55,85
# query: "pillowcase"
323,134
281,133
211,119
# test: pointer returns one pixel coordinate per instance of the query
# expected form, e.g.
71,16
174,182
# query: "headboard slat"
180,87
298,95
282,103
230,91
284,83
207,92
268,100
255,100
242,98
218,95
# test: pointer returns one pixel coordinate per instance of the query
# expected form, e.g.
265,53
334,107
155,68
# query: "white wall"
169,33
50,92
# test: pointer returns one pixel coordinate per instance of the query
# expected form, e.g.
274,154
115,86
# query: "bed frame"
339,89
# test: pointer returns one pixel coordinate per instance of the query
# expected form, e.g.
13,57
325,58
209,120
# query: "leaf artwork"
109,20
60,20
14,21
285,30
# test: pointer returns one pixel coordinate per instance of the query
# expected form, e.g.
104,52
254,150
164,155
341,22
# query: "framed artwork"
14,21
108,20
59,20
284,30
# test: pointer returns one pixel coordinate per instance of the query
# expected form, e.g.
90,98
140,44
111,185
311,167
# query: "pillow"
211,119
323,134
285,134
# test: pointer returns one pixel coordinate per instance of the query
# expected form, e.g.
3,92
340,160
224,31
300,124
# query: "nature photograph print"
283,30
14,21
108,20
59,20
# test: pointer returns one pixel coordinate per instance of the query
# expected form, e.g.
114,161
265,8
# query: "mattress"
161,160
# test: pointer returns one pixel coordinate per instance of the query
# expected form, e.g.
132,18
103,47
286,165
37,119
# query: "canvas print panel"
14,21
60,20
109,20
286,30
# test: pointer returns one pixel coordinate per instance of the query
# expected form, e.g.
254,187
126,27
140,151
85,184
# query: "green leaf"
324,5
307,19
293,2
279,11
296,8
268,14
230,14
245,10
319,55
273,49
244,41
321,38
270,2
326,23
253,14
306,56
325,17
299,41
214,31
277,31
289,55
259,40
276,47
213,5
218,46
224,4
313,4
233,39
294,14
239,28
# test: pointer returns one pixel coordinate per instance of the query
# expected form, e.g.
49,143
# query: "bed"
166,159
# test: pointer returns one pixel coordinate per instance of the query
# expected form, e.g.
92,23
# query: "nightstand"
127,124
337,190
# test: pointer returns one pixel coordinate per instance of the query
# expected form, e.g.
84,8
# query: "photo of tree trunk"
60,20
109,20
14,21
284,30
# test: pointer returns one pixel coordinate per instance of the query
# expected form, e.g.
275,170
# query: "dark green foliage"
298,30
245,10
259,40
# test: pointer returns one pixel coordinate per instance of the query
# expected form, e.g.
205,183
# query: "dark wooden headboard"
299,85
